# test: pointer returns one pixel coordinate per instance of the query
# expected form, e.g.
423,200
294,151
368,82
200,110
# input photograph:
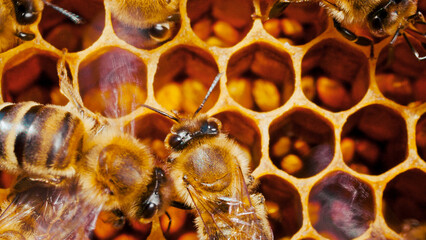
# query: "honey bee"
73,164
380,18
157,17
211,175
17,15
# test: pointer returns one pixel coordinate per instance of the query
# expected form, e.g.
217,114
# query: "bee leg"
67,89
180,205
413,50
363,41
170,222
278,7
25,36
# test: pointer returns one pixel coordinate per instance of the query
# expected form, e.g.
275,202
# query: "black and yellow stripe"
35,138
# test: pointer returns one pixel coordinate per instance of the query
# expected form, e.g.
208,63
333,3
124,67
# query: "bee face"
187,130
158,18
387,17
156,198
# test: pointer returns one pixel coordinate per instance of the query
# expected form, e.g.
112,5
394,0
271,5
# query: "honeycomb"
336,140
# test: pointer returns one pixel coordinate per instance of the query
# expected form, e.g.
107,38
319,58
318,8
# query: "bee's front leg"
363,41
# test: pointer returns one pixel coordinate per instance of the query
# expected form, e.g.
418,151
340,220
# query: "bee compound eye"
210,127
175,140
213,127
160,32
25,12
376,23
148,210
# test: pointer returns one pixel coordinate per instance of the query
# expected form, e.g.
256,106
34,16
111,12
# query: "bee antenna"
215,81
160,112
72,16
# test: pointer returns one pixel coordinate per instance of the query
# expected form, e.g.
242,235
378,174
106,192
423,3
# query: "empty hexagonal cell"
61,32
374,140
145,24
112,82
399,75
32,76
404,201
184,74
421,137
341,206
220,23
298,24
283,205
245,132
301,143
260,77
334,75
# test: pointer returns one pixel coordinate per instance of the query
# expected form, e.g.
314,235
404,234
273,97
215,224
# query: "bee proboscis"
73,163
211,175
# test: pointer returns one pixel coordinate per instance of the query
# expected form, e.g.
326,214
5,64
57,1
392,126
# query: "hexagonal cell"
301,143
298,24
220,23
374,140
152,129
400,76
283,204
404,201
112,82
335,76
421,137
134,27
260,77
61,32
246,133
32,77
184,74
341,206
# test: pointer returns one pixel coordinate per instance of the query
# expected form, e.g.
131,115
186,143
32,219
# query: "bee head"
193,127
390,16
186,130
153,202
161,32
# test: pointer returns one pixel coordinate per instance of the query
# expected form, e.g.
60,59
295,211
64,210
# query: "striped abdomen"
39,139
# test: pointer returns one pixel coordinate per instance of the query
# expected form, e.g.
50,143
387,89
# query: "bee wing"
43,211
233,214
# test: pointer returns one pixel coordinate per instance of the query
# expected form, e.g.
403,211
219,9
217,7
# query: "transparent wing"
42,211
229,217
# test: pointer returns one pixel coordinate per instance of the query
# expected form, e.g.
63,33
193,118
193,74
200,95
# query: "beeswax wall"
336,140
